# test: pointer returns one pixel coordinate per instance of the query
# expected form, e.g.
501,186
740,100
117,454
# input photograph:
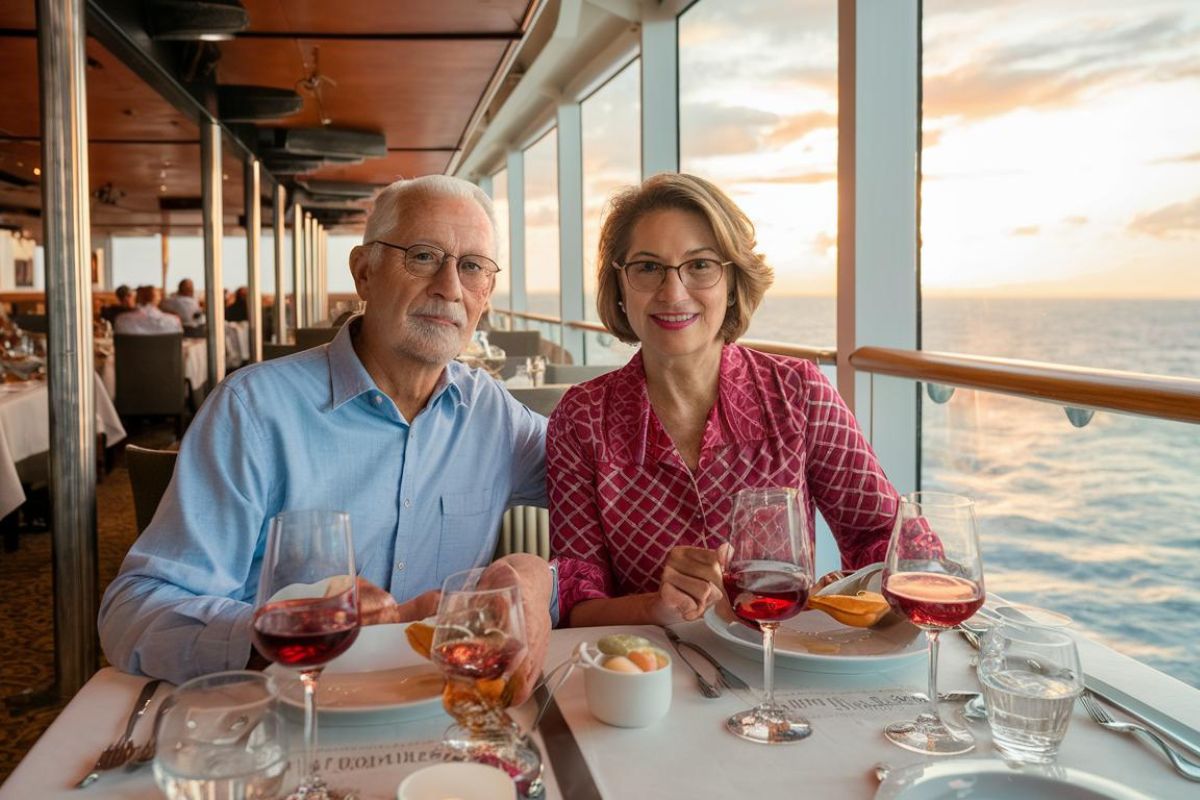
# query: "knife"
731,680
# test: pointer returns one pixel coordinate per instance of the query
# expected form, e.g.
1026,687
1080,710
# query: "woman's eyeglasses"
696,273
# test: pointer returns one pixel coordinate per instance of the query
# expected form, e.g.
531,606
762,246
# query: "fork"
145,753
120,751
1188,769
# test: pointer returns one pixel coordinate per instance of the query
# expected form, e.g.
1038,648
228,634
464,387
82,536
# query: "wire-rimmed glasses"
475,272
695,273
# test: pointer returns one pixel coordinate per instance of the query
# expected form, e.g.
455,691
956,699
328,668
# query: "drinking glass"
306,612
479,640
933,575
767,579
221,738
1030,677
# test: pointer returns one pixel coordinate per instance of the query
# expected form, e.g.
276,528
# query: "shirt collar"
348,378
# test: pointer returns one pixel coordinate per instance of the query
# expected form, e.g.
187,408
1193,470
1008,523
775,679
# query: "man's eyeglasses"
696,273
424,260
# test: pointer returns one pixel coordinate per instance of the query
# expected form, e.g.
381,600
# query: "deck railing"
1084,387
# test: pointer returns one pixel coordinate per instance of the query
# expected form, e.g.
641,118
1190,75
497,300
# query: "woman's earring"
621,304
731,301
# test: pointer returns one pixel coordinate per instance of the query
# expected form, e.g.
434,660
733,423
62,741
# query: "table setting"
767,694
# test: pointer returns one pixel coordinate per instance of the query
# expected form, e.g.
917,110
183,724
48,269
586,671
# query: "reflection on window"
501,296
612,138
541,225
1061,181
758,117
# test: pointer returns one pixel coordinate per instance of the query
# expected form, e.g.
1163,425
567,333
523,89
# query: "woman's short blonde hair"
732,229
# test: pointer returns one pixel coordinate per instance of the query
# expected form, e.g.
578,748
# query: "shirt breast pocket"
468,532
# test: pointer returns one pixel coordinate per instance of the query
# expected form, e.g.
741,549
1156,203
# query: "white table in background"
686,755
25,431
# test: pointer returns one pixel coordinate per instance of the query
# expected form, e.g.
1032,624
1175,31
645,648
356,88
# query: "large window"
758,116
502,296
541,225
611,161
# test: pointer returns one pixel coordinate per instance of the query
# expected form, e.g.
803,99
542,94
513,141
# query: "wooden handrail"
1109,390
529,315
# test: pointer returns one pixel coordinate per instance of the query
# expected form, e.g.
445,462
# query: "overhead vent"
10,181
180,204
285,164
331,216
192,20
334,144
254,103
337,190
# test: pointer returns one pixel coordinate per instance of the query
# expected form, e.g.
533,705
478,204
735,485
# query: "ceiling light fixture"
195,20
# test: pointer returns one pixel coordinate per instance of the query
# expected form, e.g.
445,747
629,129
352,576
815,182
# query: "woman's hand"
826,579
691,582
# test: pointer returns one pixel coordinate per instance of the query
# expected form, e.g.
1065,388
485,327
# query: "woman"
643,462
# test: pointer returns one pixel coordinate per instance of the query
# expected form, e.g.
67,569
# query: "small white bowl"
625,699
457,780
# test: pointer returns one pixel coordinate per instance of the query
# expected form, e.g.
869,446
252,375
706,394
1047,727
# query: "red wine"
305,633
478,659
765,591
932,600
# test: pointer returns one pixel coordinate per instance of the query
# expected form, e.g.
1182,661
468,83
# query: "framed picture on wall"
23,272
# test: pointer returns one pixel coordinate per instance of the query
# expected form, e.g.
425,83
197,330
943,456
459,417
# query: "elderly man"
146,318
184,304
423,453
126,302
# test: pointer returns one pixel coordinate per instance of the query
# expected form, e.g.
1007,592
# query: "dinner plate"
378,680
813,641
988,779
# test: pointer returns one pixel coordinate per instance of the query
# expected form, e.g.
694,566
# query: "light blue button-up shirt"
312,431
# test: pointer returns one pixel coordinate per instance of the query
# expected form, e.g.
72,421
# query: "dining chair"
517,343
32,323
149,474
272,350
540,399
577,373
313,337
150,379
524,529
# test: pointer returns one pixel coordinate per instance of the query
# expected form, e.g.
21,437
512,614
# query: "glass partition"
502,294
541,225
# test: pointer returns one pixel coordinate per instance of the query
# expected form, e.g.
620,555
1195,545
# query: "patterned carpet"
27,619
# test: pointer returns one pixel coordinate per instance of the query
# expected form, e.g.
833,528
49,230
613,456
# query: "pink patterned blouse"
621,496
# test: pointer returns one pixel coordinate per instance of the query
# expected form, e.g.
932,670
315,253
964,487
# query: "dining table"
25,431
686,754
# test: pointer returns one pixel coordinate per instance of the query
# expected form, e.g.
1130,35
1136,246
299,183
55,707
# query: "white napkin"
867,579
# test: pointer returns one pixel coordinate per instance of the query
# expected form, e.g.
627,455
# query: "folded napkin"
867,579
856,599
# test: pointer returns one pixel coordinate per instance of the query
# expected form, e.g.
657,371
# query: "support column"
660,90
570,225
323,269
253,256
297,264
278,226
71,379
214,295
518,300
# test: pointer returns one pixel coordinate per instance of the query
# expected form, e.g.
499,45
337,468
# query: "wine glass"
479,640
767,578
306,612
933,575
220,737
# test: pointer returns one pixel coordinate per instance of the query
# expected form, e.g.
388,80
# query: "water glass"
1030,677
221,738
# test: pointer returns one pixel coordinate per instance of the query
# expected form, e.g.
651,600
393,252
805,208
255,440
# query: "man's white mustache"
453,313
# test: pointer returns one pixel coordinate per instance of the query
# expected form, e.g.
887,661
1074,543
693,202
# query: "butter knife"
731,680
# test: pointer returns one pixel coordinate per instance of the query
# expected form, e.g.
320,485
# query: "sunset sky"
1061,146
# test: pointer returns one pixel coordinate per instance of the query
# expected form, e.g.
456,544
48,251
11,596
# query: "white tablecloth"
195,362
237,344
25,431
686,755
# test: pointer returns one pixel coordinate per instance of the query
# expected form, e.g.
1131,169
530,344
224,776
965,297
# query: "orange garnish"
420,638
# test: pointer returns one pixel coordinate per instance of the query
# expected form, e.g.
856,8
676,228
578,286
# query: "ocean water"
1100,522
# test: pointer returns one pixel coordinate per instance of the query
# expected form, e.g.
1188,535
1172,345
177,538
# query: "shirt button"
400,566
407,503
377,399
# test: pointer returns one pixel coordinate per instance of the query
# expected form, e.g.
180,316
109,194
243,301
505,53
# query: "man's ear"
360,268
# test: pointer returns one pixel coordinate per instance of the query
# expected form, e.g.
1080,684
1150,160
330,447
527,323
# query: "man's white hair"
403,196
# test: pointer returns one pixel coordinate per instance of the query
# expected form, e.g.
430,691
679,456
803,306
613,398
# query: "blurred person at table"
184,304
238,307
126,301
423,453
643,462
146,317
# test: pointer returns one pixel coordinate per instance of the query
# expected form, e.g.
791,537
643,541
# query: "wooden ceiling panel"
420,93
120,105
400,164
382,17
18,14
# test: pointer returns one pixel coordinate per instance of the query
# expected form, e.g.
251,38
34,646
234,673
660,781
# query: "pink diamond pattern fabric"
621,496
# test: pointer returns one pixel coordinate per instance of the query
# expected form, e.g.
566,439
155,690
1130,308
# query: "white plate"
813,641
985,779
378,680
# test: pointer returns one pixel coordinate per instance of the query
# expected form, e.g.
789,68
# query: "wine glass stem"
768,632
309,679
933,664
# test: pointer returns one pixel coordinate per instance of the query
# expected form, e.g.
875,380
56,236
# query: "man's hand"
532,574
377,607
691,582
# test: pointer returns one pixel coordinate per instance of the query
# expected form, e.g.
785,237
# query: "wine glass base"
515,754
928,734
769,725
321,792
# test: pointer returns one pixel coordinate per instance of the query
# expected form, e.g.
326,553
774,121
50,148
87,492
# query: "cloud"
791,129
800,178
712,129
1178,220
1075,219
1184,159
1026,230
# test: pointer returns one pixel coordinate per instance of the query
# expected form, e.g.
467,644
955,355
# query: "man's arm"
180,606
533,576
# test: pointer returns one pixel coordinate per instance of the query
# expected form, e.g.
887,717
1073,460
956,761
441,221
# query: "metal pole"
280,295
297,260
253,256
310,270
214,229
323,260
61,61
